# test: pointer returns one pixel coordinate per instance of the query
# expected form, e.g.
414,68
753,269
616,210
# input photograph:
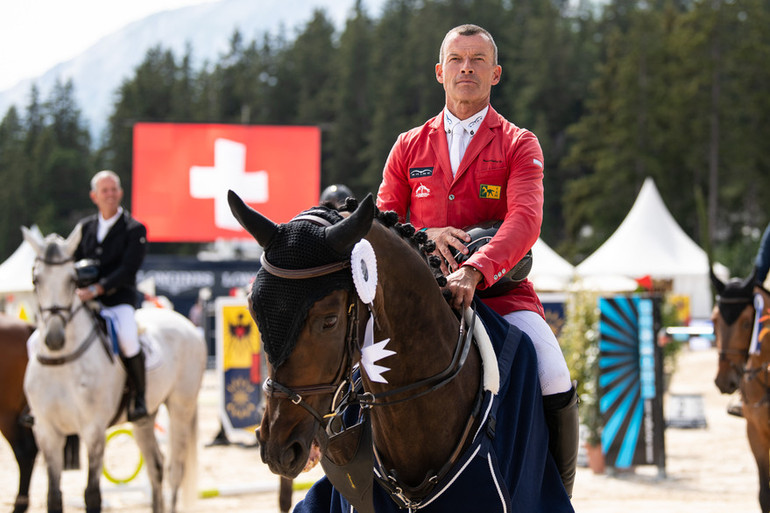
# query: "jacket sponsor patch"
420,172
489,191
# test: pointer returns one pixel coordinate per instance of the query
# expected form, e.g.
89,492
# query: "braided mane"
416,239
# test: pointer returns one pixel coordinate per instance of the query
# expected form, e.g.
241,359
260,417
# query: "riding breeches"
125,325
551,366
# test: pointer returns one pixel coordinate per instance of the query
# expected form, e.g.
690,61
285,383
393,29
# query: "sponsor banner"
239,366
182,173
630,381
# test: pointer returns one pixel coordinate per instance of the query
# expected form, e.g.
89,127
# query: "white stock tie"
455,151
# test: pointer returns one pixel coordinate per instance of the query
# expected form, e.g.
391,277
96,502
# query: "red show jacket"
500,178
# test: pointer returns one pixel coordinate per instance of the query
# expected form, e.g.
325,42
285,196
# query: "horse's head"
301,300
54,278
733,318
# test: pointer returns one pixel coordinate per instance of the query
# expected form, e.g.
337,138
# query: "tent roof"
648,241
549,270
16,271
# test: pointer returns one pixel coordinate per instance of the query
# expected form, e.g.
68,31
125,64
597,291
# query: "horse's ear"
73,239
345,234
260,227
34,239
748,284
719,286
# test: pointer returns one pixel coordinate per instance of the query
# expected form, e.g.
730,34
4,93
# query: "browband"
301,274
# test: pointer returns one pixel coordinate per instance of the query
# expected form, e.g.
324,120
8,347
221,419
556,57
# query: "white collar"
471,124
112,219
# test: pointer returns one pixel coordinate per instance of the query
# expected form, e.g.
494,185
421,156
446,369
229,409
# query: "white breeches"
551,366
125,325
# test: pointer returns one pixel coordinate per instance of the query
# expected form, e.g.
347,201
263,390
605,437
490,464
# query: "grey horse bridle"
66,313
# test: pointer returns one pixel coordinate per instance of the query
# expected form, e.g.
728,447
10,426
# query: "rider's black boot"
561,415
135,369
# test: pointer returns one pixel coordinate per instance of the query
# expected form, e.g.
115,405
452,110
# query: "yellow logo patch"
489,191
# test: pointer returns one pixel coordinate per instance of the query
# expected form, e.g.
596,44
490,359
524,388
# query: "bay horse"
13,348
427,423
75,384
744,363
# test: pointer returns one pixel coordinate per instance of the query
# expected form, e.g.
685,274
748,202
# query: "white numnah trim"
488,357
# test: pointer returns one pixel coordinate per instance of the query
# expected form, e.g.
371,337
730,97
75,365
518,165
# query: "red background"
165,152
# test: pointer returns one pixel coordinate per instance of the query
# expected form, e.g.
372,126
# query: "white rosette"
363,265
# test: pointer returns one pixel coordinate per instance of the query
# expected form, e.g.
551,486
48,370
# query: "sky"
35,35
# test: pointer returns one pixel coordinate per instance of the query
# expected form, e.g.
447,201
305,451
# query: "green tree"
354,102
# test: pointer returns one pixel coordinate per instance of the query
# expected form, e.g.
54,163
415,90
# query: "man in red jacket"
467,166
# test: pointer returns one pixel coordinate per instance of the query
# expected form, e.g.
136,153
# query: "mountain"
207,28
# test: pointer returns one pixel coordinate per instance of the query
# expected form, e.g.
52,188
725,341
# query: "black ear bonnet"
735,297
281,305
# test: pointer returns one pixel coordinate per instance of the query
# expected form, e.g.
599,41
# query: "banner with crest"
239,367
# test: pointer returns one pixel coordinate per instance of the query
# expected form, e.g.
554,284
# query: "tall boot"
561,416
135,369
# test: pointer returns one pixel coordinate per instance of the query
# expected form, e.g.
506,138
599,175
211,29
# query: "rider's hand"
447,238
90,292
462,284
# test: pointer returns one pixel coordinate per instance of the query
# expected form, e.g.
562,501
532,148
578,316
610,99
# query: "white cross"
229,172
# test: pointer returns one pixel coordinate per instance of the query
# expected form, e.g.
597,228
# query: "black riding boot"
561,415
135,369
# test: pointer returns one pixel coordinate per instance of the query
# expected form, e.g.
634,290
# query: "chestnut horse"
13,361
744,363
427,423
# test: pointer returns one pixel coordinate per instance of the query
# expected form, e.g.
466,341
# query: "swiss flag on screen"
182,173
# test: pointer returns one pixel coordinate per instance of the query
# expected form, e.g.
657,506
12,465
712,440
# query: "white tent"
16,281
16,271
550,272
650,242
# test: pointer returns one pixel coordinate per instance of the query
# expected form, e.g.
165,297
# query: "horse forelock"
53,251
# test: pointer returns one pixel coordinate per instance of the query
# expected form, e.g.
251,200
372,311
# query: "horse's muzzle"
727,383
54,333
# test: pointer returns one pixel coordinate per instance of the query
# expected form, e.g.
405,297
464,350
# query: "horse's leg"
94,439
25,450
285,493
183,437
760,449
51,444
144,434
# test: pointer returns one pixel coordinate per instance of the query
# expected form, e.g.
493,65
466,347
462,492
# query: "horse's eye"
329,322
747,326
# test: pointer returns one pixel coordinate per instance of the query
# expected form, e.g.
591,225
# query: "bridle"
66,314
344,375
